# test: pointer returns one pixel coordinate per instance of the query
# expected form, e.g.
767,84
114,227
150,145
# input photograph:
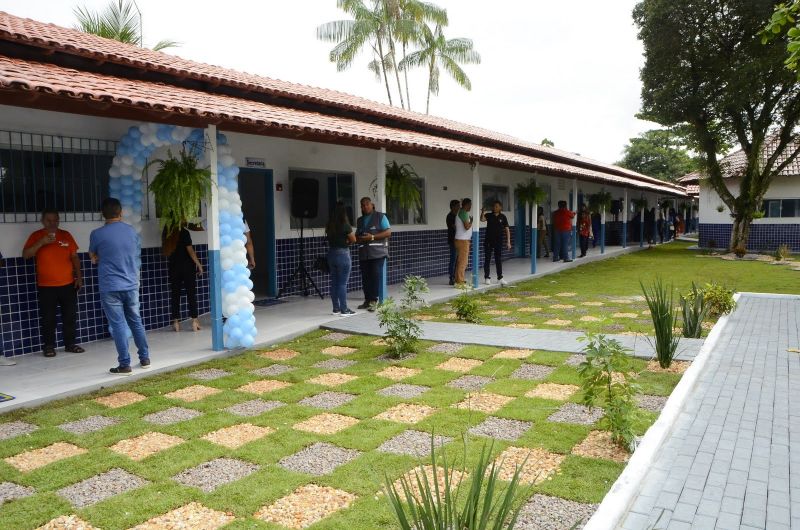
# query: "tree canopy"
706,67
120,21
659,153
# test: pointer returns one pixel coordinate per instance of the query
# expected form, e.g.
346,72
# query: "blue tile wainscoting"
19,306
763,237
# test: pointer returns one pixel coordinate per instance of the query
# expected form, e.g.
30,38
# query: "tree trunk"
405,76
396,74
383,70
740,233
430,75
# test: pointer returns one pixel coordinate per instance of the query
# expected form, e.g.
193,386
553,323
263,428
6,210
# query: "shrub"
402,333
719,299
782,252
484,507
660,301
740,251
694,311
466,306
600,386
413,289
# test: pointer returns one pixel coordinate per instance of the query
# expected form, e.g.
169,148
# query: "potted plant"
600,201
401,185
178,187
640,203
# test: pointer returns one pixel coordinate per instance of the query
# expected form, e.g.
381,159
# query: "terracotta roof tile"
70,41
735,163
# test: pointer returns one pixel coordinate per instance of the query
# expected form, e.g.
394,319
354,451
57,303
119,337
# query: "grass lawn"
272,438
605,296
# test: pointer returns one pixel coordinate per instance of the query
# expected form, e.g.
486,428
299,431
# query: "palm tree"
438,52
120,21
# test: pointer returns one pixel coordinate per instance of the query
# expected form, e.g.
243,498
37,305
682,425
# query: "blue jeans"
340,264
451,265
122,311
562,246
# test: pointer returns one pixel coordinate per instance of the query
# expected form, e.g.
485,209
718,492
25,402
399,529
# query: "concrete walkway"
732,460
543,339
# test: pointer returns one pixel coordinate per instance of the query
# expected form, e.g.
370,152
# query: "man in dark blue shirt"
497,230
450,220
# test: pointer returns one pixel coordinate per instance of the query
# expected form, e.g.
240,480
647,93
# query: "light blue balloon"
247,341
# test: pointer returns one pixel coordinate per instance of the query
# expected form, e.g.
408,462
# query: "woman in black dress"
183,267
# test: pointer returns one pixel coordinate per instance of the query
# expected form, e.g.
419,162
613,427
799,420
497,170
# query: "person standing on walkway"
497,230
450,220
596,220
562,221
340,236
462,241
584,229
183,268
372,233
58,279
542,235
114,248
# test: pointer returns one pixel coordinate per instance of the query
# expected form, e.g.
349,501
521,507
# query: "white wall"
782,187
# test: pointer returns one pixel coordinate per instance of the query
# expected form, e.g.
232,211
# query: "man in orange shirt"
562,221
58,277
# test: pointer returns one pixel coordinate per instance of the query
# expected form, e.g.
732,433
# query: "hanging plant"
666,204
401,185
640,203
600,201
529,193
178,188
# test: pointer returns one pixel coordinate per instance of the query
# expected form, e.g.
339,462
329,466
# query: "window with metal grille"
40,171
781,208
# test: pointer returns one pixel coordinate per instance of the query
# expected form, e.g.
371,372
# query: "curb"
616,503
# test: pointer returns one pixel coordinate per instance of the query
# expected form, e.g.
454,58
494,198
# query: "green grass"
580,479
615,283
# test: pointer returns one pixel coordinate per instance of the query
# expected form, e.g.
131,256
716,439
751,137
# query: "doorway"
256,188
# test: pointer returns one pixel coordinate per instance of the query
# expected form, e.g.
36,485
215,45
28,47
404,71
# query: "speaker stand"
301,273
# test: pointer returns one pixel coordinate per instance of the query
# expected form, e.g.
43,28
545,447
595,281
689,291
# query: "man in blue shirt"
114,248
372,234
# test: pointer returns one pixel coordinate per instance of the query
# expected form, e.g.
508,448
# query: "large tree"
120,21
706,67
659,153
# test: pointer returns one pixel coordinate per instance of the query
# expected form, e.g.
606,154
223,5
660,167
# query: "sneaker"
567,261
145,364
503,282
335,312
121,370
487,281
365,305
347,313
49,352
452,281
372,307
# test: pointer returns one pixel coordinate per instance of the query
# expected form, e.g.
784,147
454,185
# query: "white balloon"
136,175
250,296
227,264
113,172
227,160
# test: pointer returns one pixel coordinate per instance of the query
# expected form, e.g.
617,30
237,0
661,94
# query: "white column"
476,225
213,207
215,267
380,168
575,218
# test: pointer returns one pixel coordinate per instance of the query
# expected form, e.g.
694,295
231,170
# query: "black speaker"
305,198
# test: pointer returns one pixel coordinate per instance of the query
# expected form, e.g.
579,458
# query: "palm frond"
456,72
164,44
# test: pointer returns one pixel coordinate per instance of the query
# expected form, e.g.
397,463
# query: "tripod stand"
301,273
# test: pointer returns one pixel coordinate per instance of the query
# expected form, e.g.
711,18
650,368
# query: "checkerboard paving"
192,516
12,429
281,354
120,399
575,413
305,506
263,386
272,370
532,372
470,383
101,487
318,459
535,465
337,351
172,415
67,522
552,391
254,407
459,364
403,390
36,458
447,347
87,425
209,374
334,364
398,373
332,379
193,393
513,354
543,512
427,475
484,402
237,435
501,428
326,423
414,443
409,413
208,476
145,445
530,309
327,400
598,444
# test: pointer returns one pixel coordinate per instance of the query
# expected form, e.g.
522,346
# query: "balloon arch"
125,182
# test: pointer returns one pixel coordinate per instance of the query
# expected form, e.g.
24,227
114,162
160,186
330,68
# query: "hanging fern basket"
178,187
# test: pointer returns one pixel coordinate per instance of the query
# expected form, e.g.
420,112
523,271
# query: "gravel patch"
592,304
120,399
513,354
403,390
539,296
327,400
501,428
398,373
677,367
507,299
100,487
575,413
484,402
67,522
238,435
90,424
615,327
535,465
208,476
318,459
281,354
305,506
562,306
624,315
326,423
496,312
598,444
15,428
193,393
447,347
425,474
529,309
10,491
409,413
272,370
575,360
566,295
651,403
459,364
518,325
336,336
254,407
532,372
392,358
552,391
338,351
543,512
145,445
334,364
192,516
172,415
414,443
332,379
36,458
209,374
590,318
470,383
505,319
263,386
558,322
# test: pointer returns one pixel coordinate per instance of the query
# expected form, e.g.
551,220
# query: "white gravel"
275,369
208,476
575,360
90,424
543,512
501,428
403,390
10,491
171,415
334,364
318,459
15,428
447,347
337,336
254,407
209,374
575,413
470,382
327,400
651,403
100,487
532,372
414,443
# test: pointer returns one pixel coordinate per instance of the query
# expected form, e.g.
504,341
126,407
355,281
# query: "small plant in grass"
466,306
402,333
484,505
740,251
601,387
413,289
719,299
659,299
782,252
693,307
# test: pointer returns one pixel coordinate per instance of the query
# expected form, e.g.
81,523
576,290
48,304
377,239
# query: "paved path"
543,339
732,460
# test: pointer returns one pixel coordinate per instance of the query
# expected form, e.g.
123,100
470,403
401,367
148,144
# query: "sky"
569,74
